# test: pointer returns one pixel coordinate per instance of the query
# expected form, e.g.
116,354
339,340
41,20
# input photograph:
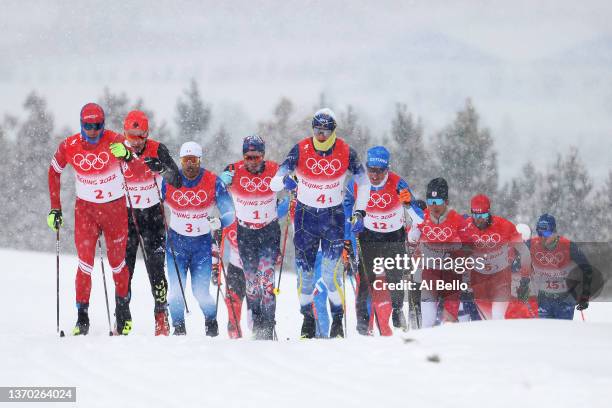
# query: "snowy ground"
485,364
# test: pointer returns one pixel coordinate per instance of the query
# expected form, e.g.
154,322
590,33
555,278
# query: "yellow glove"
120,151
55,219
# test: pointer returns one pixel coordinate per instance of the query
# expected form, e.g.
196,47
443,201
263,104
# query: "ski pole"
57,248
280,273
226,295
127,193
582,314
344,301
218,278
178,275
110,331
367,281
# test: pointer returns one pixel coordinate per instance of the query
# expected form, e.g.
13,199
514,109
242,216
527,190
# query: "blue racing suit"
194,254
320,223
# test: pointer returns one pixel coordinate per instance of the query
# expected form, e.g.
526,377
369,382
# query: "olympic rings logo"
255,184
437,233
189,197
379,200
232,236
486,241
548,258
323,166
90,161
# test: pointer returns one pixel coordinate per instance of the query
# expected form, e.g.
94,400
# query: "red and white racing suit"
100,206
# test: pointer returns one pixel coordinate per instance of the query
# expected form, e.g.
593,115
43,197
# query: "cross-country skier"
150,160
440,237
562,273
321,163
100,207
516,308
189,234
384,236
258,230
496,242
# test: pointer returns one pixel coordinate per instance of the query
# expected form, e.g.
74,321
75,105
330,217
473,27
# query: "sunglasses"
435,201
322,131
544,233
190,159
92,126
376,170
253,158
480,216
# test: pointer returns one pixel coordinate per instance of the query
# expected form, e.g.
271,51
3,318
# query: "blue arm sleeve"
581,260
163,190
282,207
290,162
402,185
224,204
348,204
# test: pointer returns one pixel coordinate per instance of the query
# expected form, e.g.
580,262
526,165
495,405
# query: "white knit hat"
191,149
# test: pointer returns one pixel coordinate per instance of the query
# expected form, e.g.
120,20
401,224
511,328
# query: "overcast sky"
537,71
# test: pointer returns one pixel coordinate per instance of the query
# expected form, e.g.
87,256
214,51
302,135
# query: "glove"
348,247
289,183
405,196
227,177
583,303
215,225
357,222
55,219
155,164
215,276
522,292
120,151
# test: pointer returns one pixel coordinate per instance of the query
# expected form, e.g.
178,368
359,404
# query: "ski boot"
179,329
336,327
162,327
123,316
309,327
265,330
82,325
399,320
212,328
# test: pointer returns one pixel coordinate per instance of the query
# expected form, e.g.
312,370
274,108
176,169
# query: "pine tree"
466,158
31,167
282,132
215,155
602,215
566,196
349,128
193,115
116,107
409,158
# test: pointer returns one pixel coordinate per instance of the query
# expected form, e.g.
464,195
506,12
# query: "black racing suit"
151,226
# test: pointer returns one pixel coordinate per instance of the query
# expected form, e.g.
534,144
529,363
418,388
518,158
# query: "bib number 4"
323,199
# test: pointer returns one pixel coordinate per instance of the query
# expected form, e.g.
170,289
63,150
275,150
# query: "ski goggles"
322,131
190,159
136,134
480,216
253,158
435,201
92,126
544,233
